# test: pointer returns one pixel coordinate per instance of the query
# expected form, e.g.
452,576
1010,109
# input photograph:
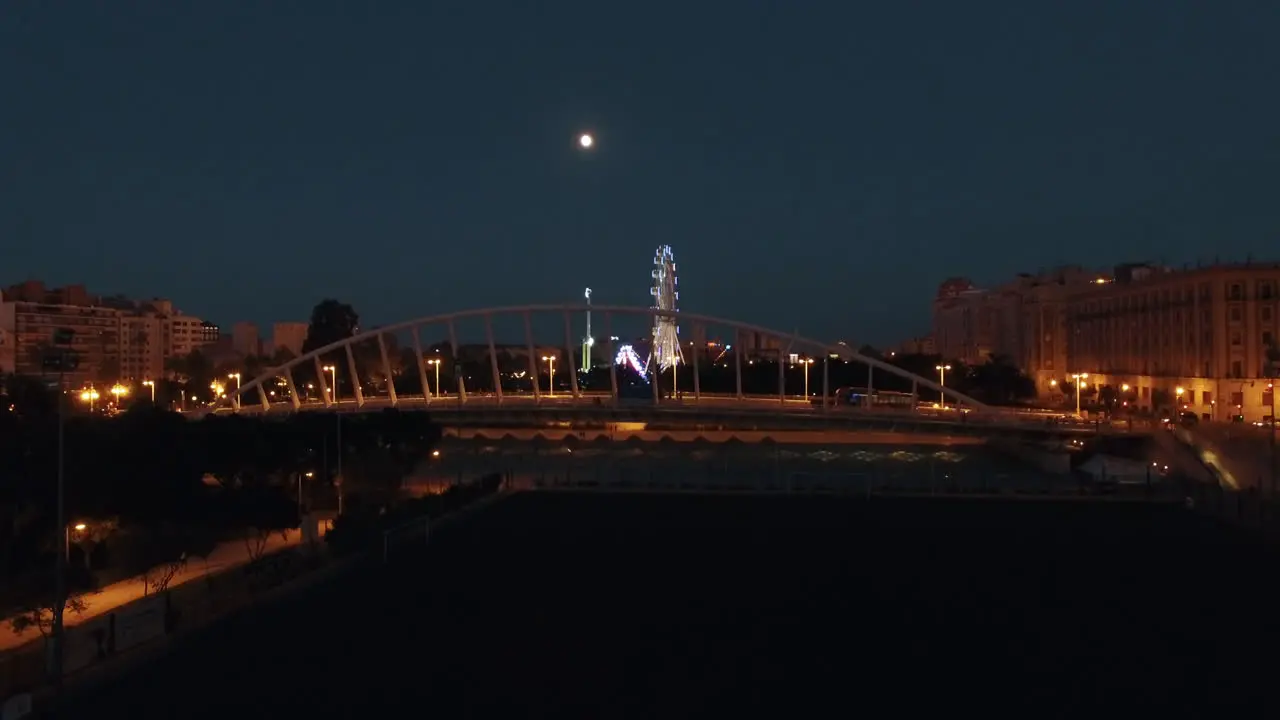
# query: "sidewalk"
224,557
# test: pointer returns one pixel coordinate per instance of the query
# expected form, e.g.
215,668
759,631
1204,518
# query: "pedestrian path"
225,556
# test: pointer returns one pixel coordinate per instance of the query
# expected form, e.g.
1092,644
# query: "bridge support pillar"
697,381
568,357
457,364
263,400
355,377
325,394
737,365
871,389
782,379
493,358
422,365
826,380
533,359
613,365
386,370
293,388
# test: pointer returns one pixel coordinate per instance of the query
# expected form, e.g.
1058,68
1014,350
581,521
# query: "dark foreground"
635,606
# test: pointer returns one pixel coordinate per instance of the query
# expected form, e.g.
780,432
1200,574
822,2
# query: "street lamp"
806,362
151,384
90,396
333,389
236,377
1079,378
942,383
551,378
1179,392
119,391
436,363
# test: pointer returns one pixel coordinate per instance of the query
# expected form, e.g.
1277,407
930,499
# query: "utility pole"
62,358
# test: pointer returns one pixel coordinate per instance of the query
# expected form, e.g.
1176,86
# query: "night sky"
818,166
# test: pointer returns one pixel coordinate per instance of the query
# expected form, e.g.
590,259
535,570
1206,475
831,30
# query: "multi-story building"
1201,339
210,333
152,332
245,339
113,338
8,341
290,336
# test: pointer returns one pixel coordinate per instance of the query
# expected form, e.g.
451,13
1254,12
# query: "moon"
585,141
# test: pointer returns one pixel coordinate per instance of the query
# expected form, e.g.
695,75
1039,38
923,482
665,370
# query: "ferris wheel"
666,334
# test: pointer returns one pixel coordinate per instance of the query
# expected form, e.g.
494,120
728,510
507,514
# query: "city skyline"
824,168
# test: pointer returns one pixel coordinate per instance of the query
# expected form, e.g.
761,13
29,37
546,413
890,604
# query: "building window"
1237,399
1265,313
1235,292
1237,371
1236,338
1266,338
1264,290
1235,313
1206,397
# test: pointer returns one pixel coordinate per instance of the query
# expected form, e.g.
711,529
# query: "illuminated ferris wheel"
666,334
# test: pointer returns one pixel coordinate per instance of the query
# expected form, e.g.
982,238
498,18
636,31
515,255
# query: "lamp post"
236,377
151,384
806,362
333,387
942,383
551,377
119,391
436,363
90,396
1079,379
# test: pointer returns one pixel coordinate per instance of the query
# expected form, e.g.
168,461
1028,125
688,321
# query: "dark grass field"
650,606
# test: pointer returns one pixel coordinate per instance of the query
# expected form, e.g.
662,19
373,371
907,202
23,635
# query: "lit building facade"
290,336
1202,340
115,339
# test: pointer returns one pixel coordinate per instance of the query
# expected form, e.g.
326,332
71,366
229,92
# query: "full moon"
585,141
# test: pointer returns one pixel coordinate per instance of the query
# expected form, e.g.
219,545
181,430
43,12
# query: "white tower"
587,341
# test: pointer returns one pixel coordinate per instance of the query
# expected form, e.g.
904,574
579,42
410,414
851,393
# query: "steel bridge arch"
235,397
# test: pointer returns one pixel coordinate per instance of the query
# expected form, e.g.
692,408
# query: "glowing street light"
333,389
436,363
806,362
942,383
236,377
218,390
151,384
119,391
551,378
1079,378
90,396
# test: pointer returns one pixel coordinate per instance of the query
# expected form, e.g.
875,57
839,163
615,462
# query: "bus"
879,398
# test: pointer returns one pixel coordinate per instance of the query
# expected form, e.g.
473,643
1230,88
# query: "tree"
41,614
331,322
194,370
167,551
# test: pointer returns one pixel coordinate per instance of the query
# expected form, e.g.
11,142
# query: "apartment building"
114,338
1203,339
289,336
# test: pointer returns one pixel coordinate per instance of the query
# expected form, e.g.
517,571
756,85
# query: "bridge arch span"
234,398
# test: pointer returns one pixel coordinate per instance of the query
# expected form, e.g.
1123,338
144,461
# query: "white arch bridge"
255,396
